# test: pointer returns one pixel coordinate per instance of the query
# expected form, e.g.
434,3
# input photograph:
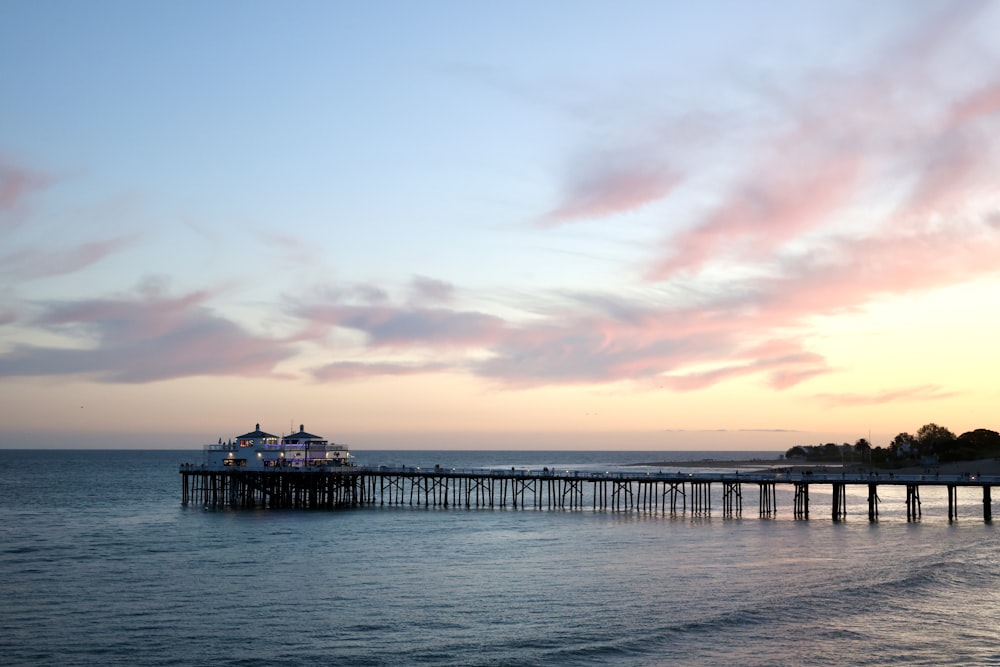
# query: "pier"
665,492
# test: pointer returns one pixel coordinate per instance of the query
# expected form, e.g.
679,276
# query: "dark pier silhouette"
666,492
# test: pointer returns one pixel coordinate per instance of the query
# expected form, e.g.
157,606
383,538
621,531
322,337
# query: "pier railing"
749,476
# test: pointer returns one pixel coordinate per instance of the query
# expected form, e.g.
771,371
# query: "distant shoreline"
714,463
990,466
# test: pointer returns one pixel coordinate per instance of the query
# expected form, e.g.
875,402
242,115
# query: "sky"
521,225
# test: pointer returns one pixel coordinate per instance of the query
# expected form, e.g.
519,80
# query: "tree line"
931,444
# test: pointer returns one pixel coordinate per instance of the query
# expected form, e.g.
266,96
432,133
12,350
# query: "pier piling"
873,501
801,502
913,512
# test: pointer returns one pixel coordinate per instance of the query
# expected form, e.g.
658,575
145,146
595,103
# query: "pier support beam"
732,499
987,505
913,502
701,497
573,489
674,490
873,502
768,499
621,495
801,506
952,503
839,501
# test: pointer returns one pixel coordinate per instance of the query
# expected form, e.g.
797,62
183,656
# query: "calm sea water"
100,564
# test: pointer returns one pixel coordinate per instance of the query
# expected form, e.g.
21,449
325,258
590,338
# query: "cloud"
783,372
587,341
858,197
846,273
610,184
661,347
780,199
289,250
907,394
35,263
426,289
734,328
755,326
851,188
17,183
388,325
892,148
145,338
980,103
573,352
348,370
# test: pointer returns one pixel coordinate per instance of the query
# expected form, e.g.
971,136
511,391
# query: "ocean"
101,565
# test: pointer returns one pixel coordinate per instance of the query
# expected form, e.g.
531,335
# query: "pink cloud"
779,202
658,342
847,273
783,372
146,338
17,183
907,394
981,103
654,348
30,264
952,165
654,344
607,186
849,144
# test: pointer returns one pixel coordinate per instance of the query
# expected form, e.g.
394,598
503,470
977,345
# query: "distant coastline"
715,463
985,466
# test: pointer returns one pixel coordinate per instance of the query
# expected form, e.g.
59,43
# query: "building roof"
255,434
302,435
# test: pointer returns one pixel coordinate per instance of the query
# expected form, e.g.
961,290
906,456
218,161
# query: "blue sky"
682,218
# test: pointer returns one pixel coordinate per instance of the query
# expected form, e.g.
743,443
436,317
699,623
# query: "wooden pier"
665,492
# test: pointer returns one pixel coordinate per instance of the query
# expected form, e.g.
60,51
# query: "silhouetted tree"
863,449
902,445
935,440
979,444
831,452
879,456
931,439
797,452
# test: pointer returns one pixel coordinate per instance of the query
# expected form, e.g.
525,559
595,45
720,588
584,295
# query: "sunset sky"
516,225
